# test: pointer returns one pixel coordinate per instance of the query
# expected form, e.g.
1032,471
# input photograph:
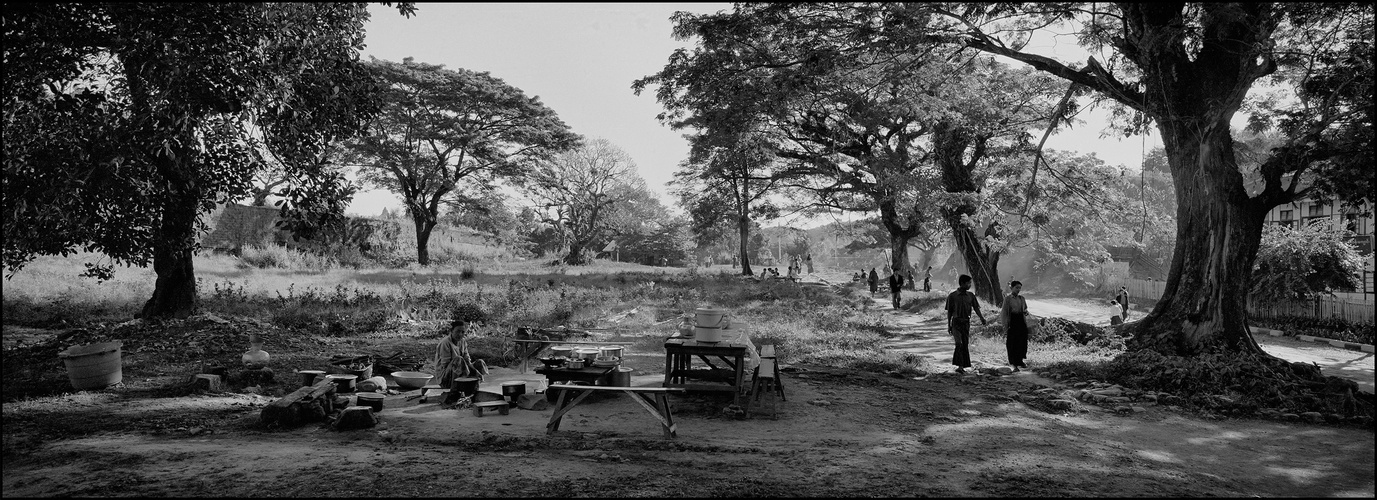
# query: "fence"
1348,308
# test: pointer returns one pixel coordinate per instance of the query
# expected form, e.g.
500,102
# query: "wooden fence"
1351,309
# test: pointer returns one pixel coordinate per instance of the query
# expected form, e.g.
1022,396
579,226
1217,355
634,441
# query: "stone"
355,417
1004,370
1138,409
206,382
1062,404
1290,417
533,402
1151,398
1312,416
1118,400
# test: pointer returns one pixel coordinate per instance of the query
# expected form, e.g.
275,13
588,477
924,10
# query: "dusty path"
925,334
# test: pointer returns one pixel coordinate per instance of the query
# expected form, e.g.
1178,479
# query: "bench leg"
663,402
553,426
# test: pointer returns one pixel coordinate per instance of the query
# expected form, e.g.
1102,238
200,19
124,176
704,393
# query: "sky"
580,60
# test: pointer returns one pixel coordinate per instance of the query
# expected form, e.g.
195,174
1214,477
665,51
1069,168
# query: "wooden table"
589,375
650,398
680,373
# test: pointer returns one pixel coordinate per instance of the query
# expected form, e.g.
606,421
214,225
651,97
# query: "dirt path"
839,433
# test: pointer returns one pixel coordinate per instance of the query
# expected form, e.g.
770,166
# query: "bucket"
707,334
464,386
372,400
712,318
621,377
309,377
513,390
93,366
343,383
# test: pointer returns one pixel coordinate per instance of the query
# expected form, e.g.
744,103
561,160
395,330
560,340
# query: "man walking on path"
874,281
808,259
896,286
927,280
960,305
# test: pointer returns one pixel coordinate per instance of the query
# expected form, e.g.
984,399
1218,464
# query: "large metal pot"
611,352
587,355
562,351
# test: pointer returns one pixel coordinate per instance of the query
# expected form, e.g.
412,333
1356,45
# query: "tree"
577,191
1302,263
1189,67
440,130
728,181
124,122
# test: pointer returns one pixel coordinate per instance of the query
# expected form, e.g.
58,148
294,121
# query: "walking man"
896,286
927,280
960,305
1122,299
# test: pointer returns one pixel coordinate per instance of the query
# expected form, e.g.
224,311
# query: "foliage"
444,137
585,193
1328,328
1304,262
123,122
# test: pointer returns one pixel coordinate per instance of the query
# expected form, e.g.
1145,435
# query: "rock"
1123,409
1333,418
1312,417
533,402
1151,398
1012,394
1109,391
1004,370
1138,409
1118,400
1062,404
355,417
205,382
1045,390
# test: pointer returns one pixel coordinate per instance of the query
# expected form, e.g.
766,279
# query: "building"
1357,220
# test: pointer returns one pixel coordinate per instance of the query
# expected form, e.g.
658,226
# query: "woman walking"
1013,314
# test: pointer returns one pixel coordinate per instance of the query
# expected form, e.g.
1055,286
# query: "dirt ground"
839,433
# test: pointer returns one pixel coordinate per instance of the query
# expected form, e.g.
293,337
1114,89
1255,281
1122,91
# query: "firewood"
308,404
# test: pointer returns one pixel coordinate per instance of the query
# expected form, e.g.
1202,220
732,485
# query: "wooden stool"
766,379
500,406
428,388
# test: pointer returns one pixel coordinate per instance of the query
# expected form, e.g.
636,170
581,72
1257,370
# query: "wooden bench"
651,398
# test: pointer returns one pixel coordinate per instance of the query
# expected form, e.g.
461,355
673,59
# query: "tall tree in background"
125,121
577,190
1189,67
442,129
729,181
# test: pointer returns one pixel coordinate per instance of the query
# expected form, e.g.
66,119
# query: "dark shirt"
960,304
896,282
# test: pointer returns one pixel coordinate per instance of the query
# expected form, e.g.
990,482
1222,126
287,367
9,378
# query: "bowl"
411,380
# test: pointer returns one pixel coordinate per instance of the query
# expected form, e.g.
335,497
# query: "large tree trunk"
174,293
575,257
1218,232
423,229
743,229
950,144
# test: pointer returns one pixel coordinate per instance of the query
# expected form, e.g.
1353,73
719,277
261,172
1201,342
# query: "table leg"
669,367
740,377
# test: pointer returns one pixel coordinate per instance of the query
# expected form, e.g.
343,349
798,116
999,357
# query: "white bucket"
706,334
93,366
712,318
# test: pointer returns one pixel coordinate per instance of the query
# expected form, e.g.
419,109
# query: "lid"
625,369
710,310
610,348
590,351
89,349
317,372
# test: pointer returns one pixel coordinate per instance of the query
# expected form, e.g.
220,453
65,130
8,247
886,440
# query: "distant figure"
874,281
1122,298
1013,314
909,282
808,259
927,280
960,305
793,273
896,286
1114,313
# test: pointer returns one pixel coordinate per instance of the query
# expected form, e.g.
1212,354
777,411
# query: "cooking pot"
611,352
343,383
513,390
588,355
575,364
562,351
372,400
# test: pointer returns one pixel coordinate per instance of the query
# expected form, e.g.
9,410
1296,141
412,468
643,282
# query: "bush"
1330,328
